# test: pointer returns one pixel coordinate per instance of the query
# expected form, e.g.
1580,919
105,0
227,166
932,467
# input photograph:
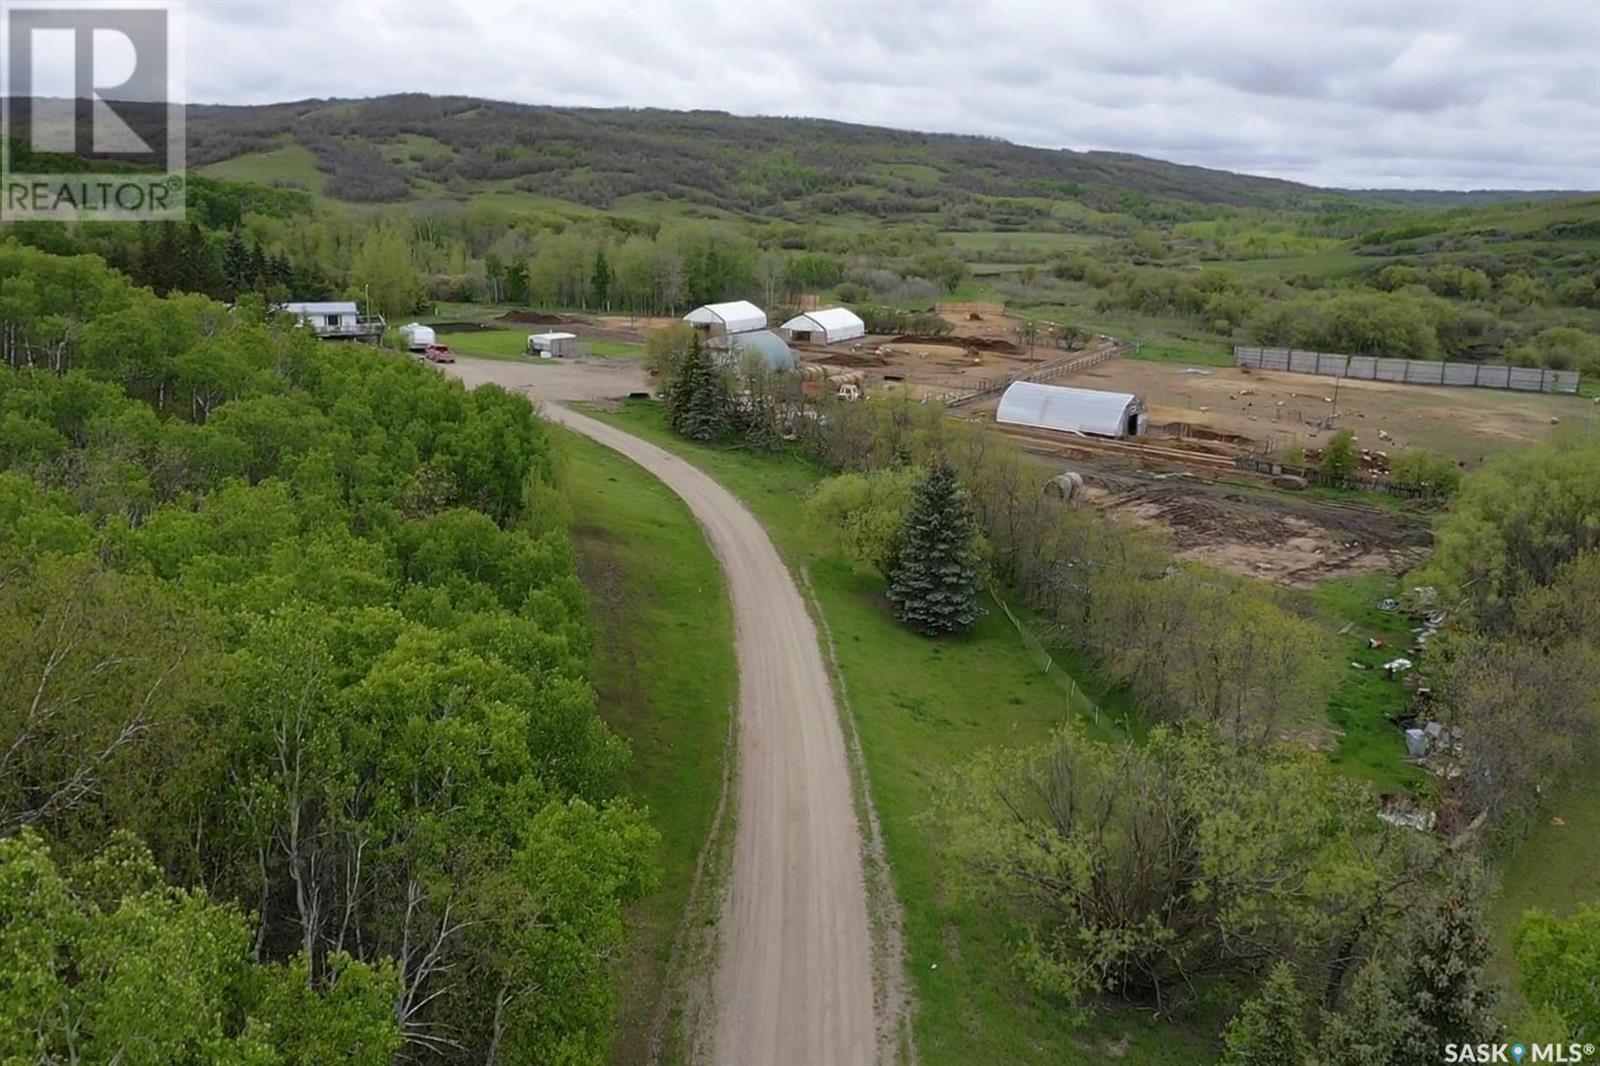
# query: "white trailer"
552,345
418,336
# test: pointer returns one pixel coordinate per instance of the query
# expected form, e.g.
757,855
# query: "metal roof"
552,336
1028,403
763,342
840,322
326,307
736,316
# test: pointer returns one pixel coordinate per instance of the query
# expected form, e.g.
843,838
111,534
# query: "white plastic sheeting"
828,326
738,316
1104,414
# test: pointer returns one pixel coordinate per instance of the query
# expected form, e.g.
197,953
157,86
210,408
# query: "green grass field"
293,164
662,662
1556,868
1041,245
921,708
511,345
1371,747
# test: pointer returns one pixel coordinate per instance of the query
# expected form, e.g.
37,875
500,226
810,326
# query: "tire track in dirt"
793,982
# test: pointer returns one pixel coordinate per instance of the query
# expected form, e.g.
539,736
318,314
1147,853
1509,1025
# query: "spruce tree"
1269,1029
1444,994
698,404
934,586
1369,1028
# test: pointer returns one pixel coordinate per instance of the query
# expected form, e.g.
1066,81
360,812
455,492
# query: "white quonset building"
828,326
737,316
1102,414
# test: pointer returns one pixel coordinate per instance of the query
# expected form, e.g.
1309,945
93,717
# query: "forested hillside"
300,762
399,147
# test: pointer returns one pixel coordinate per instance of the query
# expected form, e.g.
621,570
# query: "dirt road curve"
793,985
794,976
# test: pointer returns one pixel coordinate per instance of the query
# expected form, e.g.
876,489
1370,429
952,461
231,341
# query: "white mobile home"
336,320
828,326
718,320
1102,414
552,345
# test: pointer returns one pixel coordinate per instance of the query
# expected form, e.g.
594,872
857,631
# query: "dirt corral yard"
1287,538
1467,425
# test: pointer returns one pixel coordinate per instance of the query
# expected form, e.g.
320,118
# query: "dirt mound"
980,344
539,318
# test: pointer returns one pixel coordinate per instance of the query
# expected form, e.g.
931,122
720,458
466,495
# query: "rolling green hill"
414,147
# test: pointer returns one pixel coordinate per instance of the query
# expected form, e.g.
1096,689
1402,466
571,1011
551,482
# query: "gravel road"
793,984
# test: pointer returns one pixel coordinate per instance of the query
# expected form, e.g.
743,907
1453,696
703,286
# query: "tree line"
292,689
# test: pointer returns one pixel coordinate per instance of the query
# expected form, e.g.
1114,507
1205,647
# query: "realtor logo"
92,115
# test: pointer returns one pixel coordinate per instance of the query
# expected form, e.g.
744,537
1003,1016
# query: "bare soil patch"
1467,425
1287,538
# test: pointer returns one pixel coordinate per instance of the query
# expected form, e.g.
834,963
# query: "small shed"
828,326
1103,414
552,345
718,320
763,342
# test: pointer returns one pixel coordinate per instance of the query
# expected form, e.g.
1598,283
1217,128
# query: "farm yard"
1279,410
622,586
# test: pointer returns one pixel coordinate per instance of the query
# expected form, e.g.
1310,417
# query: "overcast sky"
1458,95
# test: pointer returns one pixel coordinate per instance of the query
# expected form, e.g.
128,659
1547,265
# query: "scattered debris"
1374,642
1558,821
1431,739
1388,606
1396,666
1402,811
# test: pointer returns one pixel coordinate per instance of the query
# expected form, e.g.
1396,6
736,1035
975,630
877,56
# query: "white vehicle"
418,336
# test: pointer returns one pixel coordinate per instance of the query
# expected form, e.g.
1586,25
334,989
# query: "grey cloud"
1365,94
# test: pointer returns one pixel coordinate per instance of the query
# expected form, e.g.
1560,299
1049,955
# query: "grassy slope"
1556,868
1371,747
292,163
663,665
922,707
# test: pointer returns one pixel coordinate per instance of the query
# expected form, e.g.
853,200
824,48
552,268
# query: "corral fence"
1366,481
1038,372
1408,371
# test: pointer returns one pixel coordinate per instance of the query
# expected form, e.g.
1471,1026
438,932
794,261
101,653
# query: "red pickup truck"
438,353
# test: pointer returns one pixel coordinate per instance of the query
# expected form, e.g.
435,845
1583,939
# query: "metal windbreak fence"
1408,371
